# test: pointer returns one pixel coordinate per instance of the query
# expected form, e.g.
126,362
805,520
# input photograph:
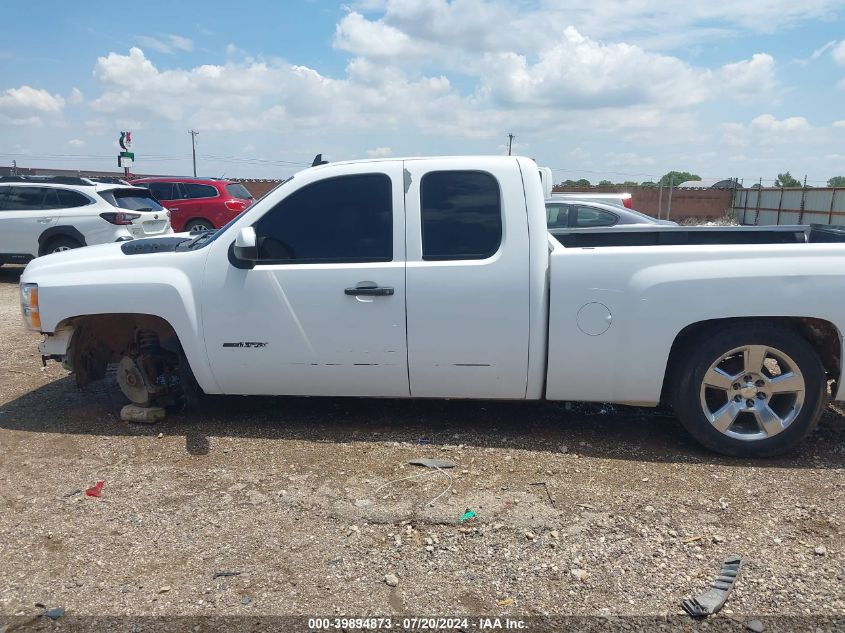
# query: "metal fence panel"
839,207
822,205
817,206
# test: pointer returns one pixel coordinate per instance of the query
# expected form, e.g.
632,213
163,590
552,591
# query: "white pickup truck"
437,278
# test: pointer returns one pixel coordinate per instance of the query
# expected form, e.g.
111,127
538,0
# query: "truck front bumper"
55,346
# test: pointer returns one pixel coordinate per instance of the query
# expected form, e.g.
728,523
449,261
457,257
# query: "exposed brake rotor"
132,381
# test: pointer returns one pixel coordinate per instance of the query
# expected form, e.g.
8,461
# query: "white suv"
46,215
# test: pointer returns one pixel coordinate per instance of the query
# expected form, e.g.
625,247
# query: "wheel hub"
749,391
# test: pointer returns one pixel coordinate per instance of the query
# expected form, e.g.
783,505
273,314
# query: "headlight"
29,306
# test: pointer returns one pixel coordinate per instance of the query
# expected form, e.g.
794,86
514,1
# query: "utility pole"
193,134
671,184
510,142
660,200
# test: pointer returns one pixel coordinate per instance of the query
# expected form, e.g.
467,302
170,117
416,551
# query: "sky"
597,89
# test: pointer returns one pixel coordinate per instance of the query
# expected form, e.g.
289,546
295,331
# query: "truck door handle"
44,220
370,291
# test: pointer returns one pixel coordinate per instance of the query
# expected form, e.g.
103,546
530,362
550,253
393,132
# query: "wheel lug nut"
750,403
737,398
760,383
761,396
748,378
736,386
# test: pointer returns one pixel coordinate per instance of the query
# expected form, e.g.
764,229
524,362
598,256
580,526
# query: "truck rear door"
466,279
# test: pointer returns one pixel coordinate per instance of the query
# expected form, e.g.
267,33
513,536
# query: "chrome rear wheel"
748,389
752,392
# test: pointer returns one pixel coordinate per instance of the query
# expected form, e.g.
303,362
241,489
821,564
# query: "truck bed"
657,235
614,311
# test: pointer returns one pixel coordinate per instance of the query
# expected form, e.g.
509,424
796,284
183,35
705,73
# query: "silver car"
579,214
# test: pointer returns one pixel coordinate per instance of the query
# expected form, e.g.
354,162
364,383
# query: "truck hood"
111,256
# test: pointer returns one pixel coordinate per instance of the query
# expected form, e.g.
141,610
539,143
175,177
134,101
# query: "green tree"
648,183
836,181
678,177
583,182
630,183
786,180
605,183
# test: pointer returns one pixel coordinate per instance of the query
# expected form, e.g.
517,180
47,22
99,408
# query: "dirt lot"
578,511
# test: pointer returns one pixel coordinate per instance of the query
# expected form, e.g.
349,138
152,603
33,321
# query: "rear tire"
60,244
198,225
749,390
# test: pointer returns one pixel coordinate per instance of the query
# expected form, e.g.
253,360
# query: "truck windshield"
206,238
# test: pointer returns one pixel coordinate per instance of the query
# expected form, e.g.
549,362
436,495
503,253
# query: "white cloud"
768,123
76,97
838,53
166,43
753,76
628,159
579,156
735,135
578,72
441,28
822,50
375,39
766,130
840,123
26,121
27,98
259,95
76,143
379,152
234,51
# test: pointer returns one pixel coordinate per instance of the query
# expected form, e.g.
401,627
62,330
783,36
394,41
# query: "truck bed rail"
666,235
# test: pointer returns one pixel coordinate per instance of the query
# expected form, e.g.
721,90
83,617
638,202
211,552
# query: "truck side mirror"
245,249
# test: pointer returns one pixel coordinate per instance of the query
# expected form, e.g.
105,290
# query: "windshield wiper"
201,238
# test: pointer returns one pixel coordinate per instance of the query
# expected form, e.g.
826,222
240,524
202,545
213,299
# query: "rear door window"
237,190
25,198
342,219
69,199
51,200
196,190
131,200
591,216
557,216
461,214
162,191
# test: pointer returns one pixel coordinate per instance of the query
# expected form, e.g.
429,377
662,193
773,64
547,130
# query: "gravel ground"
579,511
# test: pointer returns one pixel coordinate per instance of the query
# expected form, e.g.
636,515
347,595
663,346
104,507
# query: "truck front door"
467,279
323,310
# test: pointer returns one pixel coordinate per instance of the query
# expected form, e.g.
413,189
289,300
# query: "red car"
198,203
